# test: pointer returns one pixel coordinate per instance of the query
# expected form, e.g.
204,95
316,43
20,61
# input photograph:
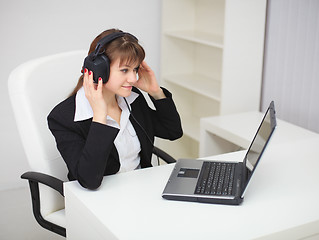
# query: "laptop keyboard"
216,178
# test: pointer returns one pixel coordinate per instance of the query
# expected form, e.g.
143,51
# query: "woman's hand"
147,82
93,93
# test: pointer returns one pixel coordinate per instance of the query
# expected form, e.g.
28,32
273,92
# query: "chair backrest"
35,87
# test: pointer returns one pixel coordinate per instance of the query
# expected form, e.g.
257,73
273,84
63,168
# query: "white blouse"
126,142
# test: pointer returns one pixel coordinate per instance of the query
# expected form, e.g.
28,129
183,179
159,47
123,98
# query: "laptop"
217,181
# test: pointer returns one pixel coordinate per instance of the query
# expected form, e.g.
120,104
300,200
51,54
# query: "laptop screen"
260,141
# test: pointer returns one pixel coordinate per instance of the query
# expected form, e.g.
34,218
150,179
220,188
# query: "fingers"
85,79
90,79
88,82
99,85
145,66
143,69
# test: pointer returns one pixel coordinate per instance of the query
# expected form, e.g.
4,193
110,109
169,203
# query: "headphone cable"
149,139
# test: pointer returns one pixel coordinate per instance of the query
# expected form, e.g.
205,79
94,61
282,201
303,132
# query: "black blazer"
88,147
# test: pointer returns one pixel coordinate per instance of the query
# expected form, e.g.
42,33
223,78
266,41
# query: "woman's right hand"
94,94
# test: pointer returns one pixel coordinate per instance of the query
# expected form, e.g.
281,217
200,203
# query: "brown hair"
126,48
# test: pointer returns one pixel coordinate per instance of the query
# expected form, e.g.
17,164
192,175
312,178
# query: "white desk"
228,133
276,205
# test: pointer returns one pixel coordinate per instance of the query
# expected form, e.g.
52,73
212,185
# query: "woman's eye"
124,70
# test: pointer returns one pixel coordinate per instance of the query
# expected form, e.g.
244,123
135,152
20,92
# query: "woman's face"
122,78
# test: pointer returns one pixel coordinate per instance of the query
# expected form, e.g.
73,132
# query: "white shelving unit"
212,57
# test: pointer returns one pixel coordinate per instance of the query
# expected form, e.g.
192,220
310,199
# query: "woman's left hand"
147,82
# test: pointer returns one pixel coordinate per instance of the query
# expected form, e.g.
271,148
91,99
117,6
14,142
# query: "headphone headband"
109,38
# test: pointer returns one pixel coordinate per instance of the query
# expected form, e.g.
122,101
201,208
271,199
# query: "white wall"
34,28
291,63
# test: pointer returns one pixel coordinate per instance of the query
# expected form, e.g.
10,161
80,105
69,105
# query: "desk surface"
240,128
129,205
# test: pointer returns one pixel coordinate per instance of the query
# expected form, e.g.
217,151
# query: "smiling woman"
106,126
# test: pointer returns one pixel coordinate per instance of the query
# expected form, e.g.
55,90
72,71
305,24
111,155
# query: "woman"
105,128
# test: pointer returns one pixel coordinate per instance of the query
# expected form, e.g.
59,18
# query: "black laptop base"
234,201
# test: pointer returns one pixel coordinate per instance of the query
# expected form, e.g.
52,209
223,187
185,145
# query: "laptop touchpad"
188,172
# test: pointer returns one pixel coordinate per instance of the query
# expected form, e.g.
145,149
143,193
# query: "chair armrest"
163,155
34,179
45,179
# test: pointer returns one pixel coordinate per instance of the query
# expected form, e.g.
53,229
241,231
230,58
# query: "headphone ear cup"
99,65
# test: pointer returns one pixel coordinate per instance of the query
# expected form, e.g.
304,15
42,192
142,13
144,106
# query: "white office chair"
35,88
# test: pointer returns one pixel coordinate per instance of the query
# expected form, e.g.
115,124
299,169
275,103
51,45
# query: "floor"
17,221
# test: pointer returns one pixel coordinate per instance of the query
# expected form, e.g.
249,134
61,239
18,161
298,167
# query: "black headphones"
98,62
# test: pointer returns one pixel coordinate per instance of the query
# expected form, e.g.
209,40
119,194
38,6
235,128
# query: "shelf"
208,39
197,83
211,60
